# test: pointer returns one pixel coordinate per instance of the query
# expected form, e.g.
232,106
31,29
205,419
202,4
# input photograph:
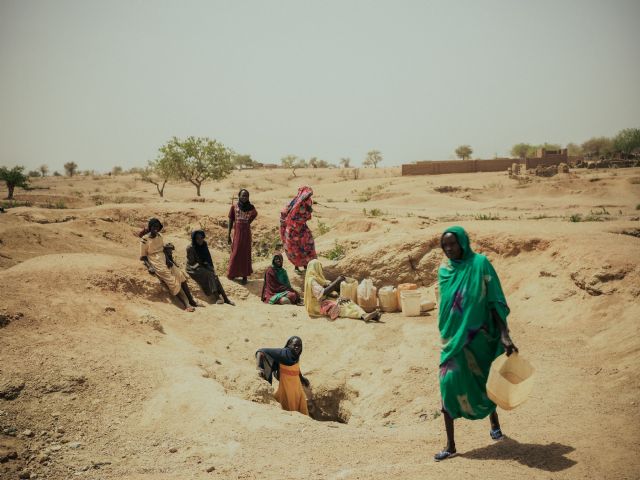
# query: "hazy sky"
105,83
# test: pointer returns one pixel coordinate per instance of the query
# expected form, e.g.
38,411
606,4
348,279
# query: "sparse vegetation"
15,203
486,216
447,189
58,204
322,228
338,251
634,180
374,212
368,193
116,171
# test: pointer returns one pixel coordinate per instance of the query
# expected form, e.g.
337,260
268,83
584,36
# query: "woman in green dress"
473,328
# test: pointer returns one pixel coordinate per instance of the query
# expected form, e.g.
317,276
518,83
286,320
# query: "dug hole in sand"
102,376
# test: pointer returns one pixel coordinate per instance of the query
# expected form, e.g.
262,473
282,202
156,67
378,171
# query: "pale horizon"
106,84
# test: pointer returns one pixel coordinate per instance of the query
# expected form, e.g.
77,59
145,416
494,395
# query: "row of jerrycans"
390,299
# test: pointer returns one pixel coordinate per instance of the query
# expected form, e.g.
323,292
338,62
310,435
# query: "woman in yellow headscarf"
319,302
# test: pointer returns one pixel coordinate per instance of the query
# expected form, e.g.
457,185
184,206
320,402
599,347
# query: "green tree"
13,178
373,158
313,162
597,147
293,162
159,172
323,164
116,171
243,161
197,159
345,162
464,152
34,173
57,174
44,169
70,168
520,150
627,141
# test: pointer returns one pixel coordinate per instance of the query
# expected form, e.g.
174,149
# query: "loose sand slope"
113,381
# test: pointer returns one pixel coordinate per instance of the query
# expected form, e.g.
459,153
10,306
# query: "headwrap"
273,289
202,251
314,272
155,221
247,206
469,290
273,357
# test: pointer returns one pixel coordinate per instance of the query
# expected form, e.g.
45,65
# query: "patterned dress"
295,234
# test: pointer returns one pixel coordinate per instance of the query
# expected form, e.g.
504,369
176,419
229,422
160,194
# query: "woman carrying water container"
473,329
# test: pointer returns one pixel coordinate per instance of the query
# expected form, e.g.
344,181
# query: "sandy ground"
103,377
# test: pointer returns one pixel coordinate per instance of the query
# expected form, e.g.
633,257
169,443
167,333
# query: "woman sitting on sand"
277,288
473,329
153,255
200,268
283,363
319,302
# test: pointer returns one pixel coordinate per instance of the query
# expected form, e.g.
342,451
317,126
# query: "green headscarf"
469,290
281,273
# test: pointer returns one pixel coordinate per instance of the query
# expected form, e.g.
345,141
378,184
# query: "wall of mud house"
438,167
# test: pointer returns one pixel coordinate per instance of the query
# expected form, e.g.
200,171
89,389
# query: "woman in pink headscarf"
295,234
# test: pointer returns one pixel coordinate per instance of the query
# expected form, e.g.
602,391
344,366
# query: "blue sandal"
496,434
444,455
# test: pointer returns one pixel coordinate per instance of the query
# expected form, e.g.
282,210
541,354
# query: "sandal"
444,455
189,309
497,434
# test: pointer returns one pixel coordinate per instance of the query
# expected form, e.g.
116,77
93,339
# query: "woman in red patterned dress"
240,217
295,234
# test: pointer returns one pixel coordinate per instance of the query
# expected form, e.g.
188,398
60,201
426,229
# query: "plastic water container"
388,299
367,297
405,286
349,289
427,305
510,381
410,301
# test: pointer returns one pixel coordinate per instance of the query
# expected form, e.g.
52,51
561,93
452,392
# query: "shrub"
447,189
576,217
323,227
486,216
59,204
337,252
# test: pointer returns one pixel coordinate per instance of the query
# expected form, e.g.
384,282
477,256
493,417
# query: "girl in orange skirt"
283,363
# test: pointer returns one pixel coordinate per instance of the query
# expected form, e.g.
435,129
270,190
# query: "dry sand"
102,377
